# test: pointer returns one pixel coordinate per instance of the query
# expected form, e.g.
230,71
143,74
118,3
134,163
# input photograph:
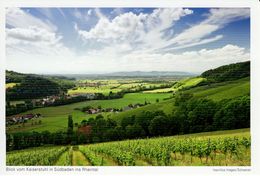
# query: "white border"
255,82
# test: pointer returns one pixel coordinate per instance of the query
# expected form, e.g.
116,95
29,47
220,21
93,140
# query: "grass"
55,118
78,159
64,159
103,89
224,90
166,106
10,85
186,83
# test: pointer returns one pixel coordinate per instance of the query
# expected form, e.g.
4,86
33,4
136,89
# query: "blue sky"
102,40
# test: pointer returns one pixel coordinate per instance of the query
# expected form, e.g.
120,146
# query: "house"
93,111
21,118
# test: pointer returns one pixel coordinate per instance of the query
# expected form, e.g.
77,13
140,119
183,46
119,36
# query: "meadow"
55,118
220,148
182,84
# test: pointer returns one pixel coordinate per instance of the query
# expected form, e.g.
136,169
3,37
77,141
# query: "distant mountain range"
150,73
132,74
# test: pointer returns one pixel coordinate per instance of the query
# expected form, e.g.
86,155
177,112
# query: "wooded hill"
31,86
228,72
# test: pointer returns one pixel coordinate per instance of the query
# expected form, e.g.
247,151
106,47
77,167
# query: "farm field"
223,90
185,83
55,118
114,86
219,148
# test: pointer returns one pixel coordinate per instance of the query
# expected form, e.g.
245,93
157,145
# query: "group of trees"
228,72
33,87
18,108
197,115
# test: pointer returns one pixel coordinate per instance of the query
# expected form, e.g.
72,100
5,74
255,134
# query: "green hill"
228,72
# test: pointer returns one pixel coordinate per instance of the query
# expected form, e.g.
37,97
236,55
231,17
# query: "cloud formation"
131,41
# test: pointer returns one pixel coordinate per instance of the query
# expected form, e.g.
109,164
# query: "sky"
105,40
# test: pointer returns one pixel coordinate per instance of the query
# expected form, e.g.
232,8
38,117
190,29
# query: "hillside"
228,72
160,151
27,86
216,92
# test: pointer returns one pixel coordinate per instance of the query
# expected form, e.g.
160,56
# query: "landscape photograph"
127,86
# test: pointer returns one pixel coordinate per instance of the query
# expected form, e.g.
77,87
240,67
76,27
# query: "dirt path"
78,159
63,160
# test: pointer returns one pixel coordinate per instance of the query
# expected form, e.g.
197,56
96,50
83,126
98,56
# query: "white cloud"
120,28
227,15
127,42
145,30
89,12
109,61
18,18
193,61
33,41
32,34
216,19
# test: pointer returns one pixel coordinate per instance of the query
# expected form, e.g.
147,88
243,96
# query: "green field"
223,90
220,148
186,83
55,118
103,89
114,86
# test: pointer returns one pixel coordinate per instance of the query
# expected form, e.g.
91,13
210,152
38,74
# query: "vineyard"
227,149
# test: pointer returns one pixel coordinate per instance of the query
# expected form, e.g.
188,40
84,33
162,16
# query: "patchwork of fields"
221,148
114,86
55,118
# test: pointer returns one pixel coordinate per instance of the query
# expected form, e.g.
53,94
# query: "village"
22,118
92,110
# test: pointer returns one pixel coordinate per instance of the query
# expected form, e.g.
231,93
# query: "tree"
233,114
70,129
144,120
134,131
182,97
159,126
128,120
200,115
